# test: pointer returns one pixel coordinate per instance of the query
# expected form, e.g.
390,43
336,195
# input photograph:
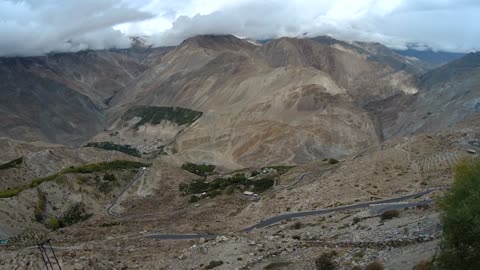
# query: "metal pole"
43,258
48,258
55,256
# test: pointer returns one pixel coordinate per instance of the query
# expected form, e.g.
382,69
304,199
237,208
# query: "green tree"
460,247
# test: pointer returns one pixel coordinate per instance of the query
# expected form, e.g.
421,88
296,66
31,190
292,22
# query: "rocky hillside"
60,98
289,101
450,94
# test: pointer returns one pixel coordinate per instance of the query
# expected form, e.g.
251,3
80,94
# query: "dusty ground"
154,204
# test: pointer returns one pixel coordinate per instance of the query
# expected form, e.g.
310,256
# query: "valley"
221,153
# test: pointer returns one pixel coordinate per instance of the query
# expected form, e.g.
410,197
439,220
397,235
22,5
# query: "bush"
277,265
199,169
296,226
356,220
423,265
155,115
124,148
11,164
109,177
460,246
326,262
213,264
40,206
375,266
262,185
333,161
74,214
53,224
390,214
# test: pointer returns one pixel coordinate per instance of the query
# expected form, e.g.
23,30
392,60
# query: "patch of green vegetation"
40,206
124,148
461,218
199,169
87,168
227,185
10,192
155,115
109,224
213,264
53,224
326,261
390,214
12,164
105,166
277,265
333,161
74,214
374,266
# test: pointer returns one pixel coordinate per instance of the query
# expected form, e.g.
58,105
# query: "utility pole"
45,248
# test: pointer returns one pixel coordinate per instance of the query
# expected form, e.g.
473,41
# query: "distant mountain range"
233,102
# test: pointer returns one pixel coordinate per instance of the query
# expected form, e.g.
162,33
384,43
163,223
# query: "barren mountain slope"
289,101
450,94
59,98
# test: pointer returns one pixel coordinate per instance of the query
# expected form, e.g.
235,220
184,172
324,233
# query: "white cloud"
42,26
32,27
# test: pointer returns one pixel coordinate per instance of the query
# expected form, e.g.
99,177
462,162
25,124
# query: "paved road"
180,236
389,206
114,202
279,218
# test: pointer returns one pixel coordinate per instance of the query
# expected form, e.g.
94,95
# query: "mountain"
377,52
433,58
450,94
60,98
224,100
289,101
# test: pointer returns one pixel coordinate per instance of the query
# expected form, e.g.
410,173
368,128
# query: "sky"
37,27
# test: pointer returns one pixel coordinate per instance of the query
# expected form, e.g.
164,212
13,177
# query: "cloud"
34,27
37,27
440,24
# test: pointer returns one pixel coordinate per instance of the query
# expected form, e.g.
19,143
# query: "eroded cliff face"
61,98
288,101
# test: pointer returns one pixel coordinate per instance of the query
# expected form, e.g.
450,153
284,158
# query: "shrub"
390,214
326,262
213,264
74,214
40,206
375,266
356,220
10,192
423,265
109,177
460,246
53,224
199,169
277,265
262,185
11,164
296,226
155,115
124,148
333,161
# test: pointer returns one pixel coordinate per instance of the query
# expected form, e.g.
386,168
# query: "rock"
471,151
252,243
78,266
202,240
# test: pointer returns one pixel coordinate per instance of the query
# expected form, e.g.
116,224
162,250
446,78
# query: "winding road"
392,203
115,200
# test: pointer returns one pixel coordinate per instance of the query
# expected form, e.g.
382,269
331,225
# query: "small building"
248,193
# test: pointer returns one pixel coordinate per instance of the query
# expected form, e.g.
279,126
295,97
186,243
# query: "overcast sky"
35,27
